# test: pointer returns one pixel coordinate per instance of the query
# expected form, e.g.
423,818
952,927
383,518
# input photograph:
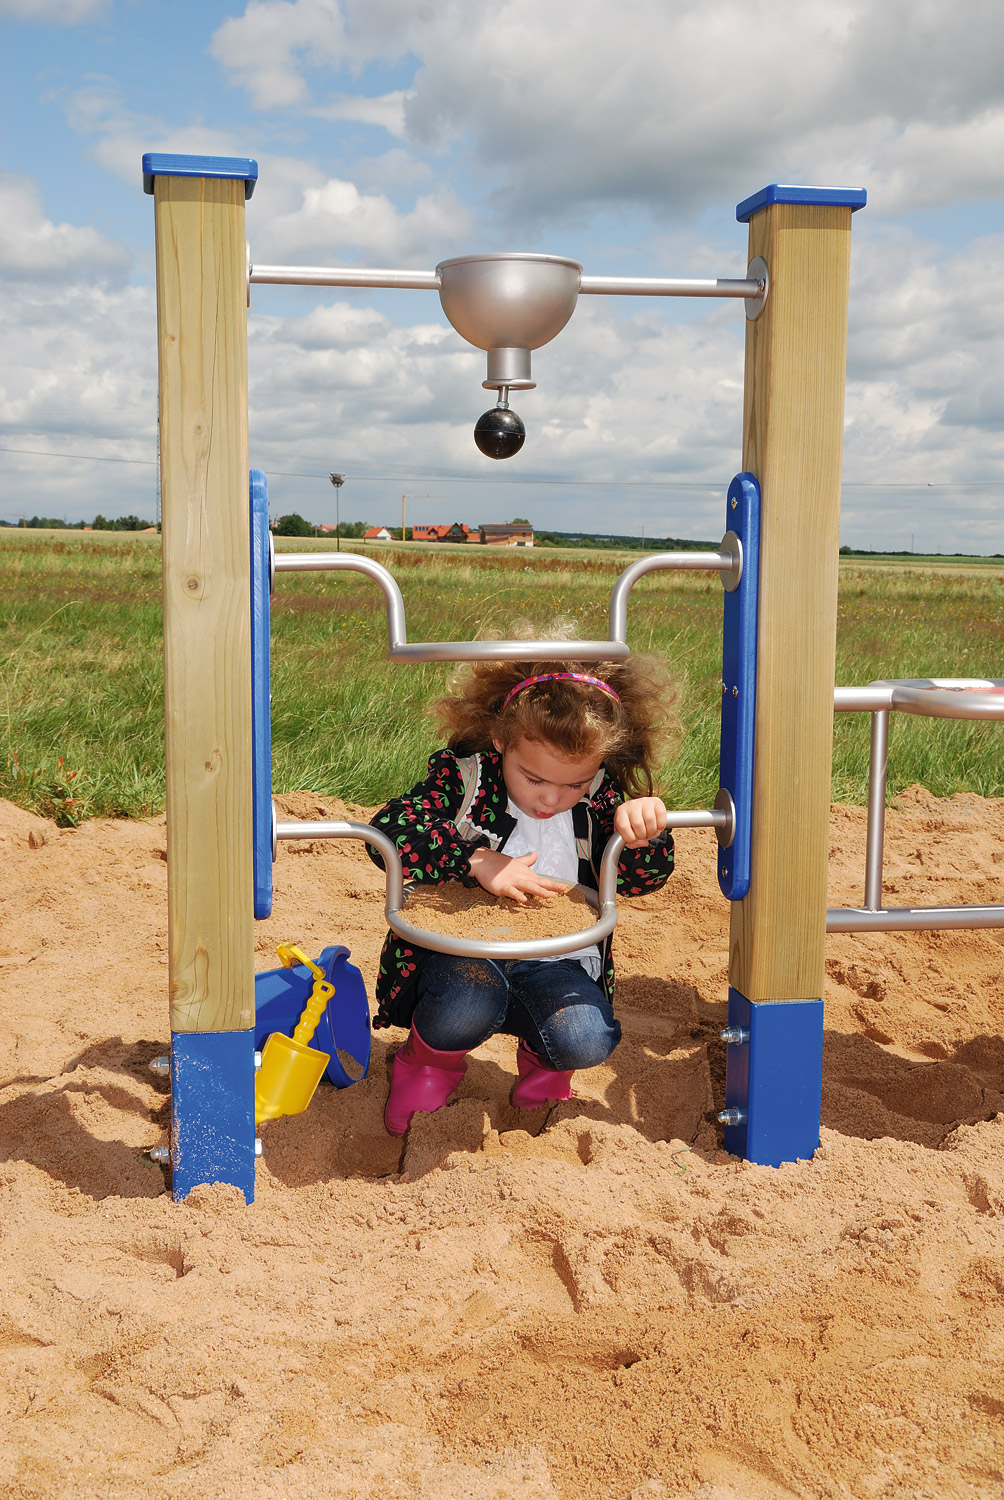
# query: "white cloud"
267,48
33,248
385,110
334,219
673,107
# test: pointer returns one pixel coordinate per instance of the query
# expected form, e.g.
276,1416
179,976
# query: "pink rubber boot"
538,1082
421,1080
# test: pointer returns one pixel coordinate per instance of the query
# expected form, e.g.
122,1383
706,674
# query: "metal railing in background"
931,698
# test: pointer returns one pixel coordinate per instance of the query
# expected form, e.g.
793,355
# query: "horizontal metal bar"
946,704
428,281
866,700
440,942
728,563
398,647
667,286
912,918
414,281
341,829
926,698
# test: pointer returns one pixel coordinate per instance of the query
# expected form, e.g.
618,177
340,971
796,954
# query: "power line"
656,484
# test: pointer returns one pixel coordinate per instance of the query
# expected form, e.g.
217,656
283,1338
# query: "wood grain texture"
202,346
796,355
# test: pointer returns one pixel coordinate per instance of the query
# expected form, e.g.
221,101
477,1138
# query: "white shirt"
554,840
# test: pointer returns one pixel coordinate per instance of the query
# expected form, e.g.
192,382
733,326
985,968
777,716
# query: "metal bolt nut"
735,503
737,1035
257,1062
161,1065
257,1147
160,1154
735,692
725,872
731,1116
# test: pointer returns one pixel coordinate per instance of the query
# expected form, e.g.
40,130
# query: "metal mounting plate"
739,632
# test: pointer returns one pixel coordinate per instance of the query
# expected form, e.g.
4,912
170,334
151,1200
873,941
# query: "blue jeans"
560,1012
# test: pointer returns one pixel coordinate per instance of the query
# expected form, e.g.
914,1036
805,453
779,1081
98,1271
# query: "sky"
398,133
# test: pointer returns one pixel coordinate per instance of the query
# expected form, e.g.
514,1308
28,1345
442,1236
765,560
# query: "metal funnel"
508,304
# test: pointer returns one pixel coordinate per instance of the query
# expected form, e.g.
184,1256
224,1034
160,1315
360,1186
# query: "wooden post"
202,343
792,442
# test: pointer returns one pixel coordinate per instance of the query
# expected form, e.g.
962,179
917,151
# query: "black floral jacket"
462,805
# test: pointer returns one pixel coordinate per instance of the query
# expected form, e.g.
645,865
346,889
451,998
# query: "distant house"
458,531
514,534
377,534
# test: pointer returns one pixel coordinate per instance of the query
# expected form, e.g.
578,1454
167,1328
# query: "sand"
587,1302
469,912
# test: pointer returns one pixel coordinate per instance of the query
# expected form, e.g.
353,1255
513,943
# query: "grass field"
81,665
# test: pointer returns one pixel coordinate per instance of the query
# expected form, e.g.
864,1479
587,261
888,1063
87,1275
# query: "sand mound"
591,1302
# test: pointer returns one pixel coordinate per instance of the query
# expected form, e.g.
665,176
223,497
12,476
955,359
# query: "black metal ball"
499,433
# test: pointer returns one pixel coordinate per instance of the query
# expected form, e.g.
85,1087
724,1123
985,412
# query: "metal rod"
667,286
928,698
726,562
878,756
912,918
428,281
440,942
862,699
425,281
398,647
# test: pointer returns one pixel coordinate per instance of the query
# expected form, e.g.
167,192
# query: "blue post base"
775,1079
212,1110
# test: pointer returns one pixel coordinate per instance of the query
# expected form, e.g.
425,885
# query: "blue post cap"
783,192
156,164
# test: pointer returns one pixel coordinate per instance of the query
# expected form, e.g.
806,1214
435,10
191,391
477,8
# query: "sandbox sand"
465,912
591,1302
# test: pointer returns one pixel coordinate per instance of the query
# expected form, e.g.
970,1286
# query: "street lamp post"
337,480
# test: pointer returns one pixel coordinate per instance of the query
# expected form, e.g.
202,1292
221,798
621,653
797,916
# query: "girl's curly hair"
576,719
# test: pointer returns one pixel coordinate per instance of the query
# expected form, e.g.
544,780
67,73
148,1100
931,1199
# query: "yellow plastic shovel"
291,1069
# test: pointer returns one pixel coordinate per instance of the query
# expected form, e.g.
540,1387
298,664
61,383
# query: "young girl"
523,802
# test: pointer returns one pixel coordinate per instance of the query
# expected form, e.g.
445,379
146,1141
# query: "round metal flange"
271,563
757,271
275,831
725,804
247,260
732,548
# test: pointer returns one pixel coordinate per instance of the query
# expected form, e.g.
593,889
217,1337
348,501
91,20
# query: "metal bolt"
257,1062
161,1065
724,690
725,872
734,504
160,1153
731,1116
735,692
257,1146
738,1035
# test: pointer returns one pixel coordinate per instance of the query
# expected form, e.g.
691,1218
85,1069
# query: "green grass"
81,687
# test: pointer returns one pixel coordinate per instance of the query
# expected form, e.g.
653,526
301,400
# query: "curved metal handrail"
728,562
720,819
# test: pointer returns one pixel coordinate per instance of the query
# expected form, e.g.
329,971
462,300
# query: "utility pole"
337,480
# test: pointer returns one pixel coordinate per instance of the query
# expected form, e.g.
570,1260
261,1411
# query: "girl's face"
540,781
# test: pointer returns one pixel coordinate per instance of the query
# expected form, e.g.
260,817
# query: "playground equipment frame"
792,440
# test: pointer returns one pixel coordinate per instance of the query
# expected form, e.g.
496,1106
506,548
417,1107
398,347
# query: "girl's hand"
505,875
639,820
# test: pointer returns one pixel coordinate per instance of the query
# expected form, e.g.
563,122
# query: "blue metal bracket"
212,1110
261,697
164,164
344,1027
739,644
774,1079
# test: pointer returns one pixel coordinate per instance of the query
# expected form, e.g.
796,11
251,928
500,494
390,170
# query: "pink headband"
597,682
